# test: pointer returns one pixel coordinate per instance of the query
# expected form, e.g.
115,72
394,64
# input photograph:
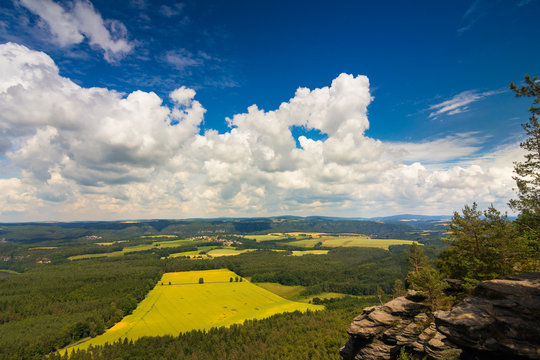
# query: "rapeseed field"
180,303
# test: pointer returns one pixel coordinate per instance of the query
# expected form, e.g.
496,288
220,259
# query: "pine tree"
424,278
528,178
527,172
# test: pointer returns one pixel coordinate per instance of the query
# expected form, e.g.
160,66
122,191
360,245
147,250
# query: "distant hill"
399,227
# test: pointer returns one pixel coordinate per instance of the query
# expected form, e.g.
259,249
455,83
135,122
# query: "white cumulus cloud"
78,21
93,153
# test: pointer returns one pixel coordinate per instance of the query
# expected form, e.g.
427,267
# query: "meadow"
134,248
309,252
179,303
266,237
211,252
348,241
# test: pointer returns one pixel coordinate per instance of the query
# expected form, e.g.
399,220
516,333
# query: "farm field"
135,248
194,252
186,305
266,237
309,252
227,252
292,292
349,241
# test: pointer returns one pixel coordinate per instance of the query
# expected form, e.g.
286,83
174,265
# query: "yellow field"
309,252
187,305
266,237
313,234
349,241
111,243
159,236
43,248
227,252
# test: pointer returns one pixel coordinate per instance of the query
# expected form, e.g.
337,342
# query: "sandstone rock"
502,316
415,296
402,306
501,320
377,350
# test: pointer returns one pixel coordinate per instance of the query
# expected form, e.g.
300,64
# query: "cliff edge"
500,320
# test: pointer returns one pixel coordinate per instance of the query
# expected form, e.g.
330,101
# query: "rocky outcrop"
501,320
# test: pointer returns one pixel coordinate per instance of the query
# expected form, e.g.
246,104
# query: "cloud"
451,147
94,153
182,59
171,11
81,21
471,16
459,103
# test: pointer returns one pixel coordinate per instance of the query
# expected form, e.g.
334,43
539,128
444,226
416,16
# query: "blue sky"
439,111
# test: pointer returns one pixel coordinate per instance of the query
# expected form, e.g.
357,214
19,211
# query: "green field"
111,243
293,292
349,241
211,251
187,305
135,248
194,252
266,237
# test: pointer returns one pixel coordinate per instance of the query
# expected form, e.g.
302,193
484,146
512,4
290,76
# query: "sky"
140,109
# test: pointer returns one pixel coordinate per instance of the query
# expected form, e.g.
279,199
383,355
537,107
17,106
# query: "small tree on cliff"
424,278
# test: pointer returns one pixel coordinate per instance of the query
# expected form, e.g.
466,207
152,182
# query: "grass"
159,236
187,305
6,273
227,252
43,248
304,234
111,243
349,241
309,252
91,256
292,292
324,295
10,271
134,248
266,237
194,252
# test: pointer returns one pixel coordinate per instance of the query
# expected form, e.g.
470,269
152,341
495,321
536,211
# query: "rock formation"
500,320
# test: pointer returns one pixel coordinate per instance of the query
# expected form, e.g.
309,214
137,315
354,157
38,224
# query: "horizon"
183,110
376,218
